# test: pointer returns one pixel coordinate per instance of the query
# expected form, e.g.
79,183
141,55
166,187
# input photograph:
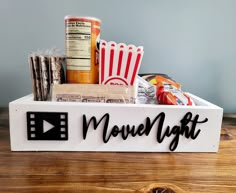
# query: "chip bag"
169,92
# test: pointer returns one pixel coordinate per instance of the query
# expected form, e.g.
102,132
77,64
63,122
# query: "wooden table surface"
119,172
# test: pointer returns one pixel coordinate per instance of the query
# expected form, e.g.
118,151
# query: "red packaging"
169,92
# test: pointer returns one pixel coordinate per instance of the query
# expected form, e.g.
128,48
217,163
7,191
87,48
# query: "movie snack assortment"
98,71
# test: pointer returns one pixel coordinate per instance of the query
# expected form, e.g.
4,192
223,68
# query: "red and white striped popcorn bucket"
119,63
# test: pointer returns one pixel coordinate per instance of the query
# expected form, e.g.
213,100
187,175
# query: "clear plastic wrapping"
93,93
47,68
146,92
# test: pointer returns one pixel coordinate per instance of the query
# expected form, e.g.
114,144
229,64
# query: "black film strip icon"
47,125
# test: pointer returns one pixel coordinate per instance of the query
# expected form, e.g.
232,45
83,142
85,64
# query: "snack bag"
169,92
146,92
151,78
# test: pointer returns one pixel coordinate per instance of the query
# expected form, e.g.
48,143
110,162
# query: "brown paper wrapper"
93,93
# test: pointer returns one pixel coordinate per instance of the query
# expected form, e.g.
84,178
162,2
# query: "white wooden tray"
71,126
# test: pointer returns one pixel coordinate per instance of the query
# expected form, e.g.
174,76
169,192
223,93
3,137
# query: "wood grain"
30,172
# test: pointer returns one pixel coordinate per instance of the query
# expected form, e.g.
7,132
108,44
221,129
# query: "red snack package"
169,92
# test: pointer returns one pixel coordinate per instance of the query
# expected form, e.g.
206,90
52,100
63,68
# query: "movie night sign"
188,127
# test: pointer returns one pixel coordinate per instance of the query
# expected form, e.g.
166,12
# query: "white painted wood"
120,115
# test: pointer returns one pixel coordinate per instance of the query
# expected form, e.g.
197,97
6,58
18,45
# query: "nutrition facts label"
78,45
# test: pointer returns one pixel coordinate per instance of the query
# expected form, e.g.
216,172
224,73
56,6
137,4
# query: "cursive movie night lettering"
186,128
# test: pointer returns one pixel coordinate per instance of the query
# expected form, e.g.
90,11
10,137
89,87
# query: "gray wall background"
193,41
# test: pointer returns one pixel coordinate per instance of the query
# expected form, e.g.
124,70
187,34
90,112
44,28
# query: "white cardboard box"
70,126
